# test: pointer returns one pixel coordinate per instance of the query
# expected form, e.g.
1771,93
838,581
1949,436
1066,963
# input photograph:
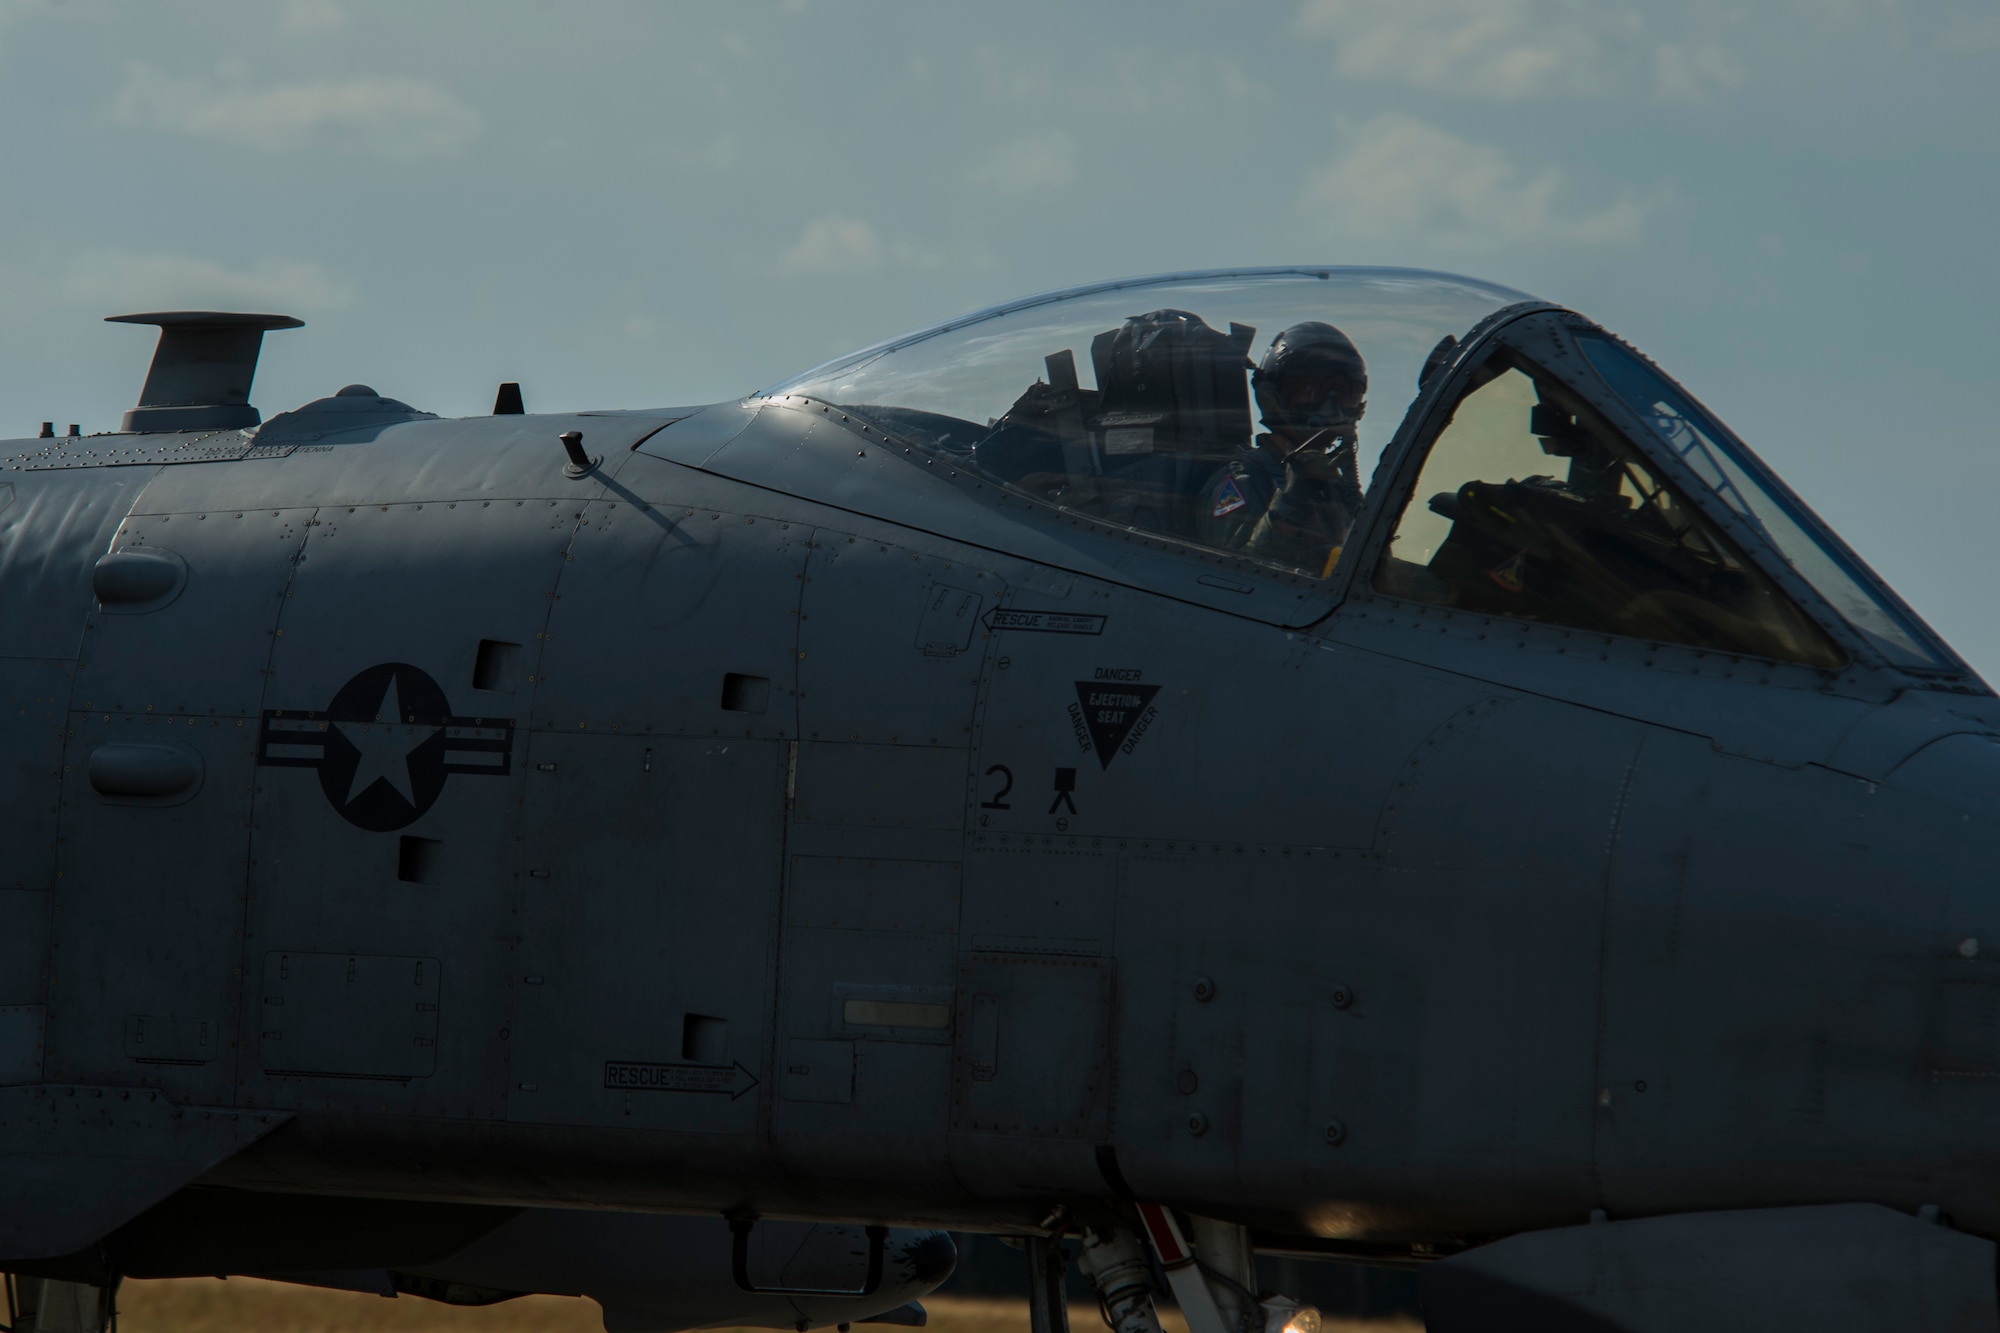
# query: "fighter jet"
1355,763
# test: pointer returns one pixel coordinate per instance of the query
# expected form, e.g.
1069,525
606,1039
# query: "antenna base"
221,416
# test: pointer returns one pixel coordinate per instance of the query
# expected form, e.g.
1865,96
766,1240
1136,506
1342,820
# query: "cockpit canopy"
1148,403
1542,470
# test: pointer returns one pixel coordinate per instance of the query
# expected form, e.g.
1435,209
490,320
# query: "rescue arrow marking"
1045,622
656,1076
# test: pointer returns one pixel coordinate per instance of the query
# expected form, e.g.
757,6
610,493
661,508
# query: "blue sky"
1791,203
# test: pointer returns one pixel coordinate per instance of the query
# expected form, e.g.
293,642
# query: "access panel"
674,621
1033,1045
640,966
388,776
890,643
349,1015
156,794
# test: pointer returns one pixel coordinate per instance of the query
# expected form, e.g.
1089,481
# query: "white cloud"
1504,49
834,244
310,16
1403,179
389,116
839,244
1520,50
1127,82
717,154
1696,73
1143,81
118,281
1026,165
1872,17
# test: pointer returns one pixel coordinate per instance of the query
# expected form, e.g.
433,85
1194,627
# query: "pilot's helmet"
1312,380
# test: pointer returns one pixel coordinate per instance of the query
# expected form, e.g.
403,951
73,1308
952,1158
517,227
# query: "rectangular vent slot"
705,1040
497,666
417,860
895,1014
746,694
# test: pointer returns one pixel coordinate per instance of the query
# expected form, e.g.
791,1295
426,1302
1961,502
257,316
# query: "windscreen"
1239,411
1716,458
1530,506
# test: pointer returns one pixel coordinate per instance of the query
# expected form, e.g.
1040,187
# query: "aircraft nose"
1947,849
1960,772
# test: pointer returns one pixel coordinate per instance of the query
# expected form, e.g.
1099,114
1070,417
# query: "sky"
1790,204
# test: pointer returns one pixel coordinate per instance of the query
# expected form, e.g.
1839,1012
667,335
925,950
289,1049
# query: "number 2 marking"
999,801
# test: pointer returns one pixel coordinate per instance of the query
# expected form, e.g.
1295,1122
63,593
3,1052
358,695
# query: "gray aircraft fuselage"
767,822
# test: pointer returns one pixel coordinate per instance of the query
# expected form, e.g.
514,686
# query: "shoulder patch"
1228,498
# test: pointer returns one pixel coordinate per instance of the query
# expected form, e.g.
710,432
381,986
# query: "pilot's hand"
1325,457
1311,465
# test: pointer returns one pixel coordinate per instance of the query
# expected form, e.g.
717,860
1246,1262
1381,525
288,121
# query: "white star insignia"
385,748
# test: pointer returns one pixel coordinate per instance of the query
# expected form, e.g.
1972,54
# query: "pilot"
1291,497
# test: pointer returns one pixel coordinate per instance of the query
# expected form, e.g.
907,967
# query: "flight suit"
1289,511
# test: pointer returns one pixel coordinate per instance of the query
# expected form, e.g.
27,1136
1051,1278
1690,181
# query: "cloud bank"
387,116
118,281
1400,178
1521,50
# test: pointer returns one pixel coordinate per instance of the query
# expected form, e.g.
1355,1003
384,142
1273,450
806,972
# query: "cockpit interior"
1521,462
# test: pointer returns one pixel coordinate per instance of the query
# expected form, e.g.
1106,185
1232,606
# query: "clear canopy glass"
1245,410
1532,507
1160,404
1718,460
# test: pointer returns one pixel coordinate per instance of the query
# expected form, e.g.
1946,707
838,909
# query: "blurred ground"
989,1267
248,1305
